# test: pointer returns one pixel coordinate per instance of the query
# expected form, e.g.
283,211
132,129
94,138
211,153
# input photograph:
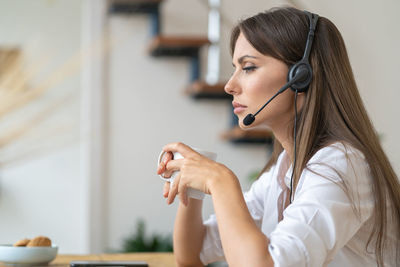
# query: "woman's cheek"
258,94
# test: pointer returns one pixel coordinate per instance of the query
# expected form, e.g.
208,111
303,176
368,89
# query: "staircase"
189,47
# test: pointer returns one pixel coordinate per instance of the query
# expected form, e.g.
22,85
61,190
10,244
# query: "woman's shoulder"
339,161
337,151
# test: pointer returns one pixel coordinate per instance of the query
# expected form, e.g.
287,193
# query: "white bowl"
27,256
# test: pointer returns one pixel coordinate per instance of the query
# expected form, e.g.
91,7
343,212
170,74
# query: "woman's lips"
238,108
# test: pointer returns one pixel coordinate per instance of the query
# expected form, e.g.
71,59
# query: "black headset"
303,66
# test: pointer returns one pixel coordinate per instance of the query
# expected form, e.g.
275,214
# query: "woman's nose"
231,86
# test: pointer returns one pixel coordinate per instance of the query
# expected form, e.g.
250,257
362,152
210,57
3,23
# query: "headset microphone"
301,75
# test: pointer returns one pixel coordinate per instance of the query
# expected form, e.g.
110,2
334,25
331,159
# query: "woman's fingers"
167,157
183,149
174,165
174,190
166,189
179,189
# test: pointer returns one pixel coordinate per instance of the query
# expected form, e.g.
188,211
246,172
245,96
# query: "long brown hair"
333,110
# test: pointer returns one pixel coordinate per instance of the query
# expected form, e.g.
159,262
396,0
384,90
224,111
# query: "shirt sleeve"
332,201
212,250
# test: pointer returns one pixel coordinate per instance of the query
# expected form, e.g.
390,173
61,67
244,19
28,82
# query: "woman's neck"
283,135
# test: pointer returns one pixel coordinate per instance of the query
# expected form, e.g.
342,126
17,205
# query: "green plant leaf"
138,242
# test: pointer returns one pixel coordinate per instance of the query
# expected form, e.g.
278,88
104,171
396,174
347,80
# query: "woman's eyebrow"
240,60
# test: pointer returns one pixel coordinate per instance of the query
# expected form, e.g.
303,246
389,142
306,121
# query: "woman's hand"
166,174
195,171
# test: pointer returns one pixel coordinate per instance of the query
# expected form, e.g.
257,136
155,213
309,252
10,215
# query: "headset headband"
313,18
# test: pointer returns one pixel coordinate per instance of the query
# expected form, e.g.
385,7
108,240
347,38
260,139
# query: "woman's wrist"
220,181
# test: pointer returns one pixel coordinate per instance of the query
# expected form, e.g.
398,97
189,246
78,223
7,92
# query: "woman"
340,203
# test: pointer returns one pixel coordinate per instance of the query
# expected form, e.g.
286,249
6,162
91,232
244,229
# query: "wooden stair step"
203,90
133,6
189,46
237,135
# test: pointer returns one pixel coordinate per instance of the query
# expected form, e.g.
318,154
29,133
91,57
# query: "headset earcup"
302,85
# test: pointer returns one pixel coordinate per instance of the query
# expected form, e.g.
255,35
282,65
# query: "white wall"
47,194
40,186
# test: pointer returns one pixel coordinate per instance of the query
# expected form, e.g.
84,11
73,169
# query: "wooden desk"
153,259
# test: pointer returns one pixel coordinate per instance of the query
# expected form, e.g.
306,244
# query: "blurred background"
91,90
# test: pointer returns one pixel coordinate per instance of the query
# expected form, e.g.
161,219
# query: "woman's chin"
245,127
254,126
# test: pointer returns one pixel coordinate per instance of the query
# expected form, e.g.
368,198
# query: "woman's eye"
249,69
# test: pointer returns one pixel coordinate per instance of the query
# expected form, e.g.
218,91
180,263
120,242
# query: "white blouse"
328,222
